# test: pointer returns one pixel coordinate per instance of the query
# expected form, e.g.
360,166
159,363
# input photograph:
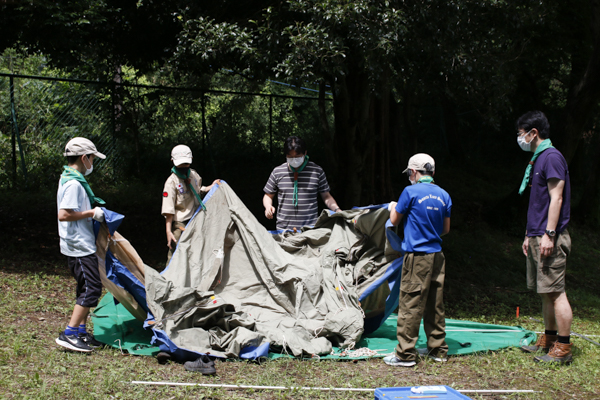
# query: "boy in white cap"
77,240
181,195
426,209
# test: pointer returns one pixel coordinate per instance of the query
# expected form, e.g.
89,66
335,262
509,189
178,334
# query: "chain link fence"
40,116
136,125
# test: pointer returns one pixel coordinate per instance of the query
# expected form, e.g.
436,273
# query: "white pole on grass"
223,386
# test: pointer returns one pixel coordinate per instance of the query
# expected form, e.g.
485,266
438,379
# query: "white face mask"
295,162
523,143
88,170
409,173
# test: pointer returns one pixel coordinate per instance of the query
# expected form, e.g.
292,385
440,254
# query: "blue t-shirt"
424,206
549,164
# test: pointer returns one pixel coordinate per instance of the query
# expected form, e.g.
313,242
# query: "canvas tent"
236,290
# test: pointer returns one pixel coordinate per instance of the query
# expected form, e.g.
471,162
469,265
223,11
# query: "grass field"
485,282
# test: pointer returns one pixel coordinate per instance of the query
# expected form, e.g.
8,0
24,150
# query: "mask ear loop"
531,138
86,167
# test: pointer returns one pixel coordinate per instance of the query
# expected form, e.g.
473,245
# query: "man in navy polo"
547,242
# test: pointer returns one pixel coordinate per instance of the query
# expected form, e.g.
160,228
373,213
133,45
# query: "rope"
120,348
284,344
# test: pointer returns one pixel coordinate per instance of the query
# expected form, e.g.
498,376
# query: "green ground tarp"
116,327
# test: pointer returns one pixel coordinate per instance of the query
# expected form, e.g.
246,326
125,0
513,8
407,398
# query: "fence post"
205,140
203,108
271,127
203,103
112,89
13,138
16,133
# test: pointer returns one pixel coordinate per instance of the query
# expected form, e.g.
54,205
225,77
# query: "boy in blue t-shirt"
77,240
426,209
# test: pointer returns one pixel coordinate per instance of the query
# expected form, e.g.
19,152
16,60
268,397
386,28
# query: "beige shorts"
547,275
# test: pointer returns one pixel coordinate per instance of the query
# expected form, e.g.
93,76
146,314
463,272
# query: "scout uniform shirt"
178,198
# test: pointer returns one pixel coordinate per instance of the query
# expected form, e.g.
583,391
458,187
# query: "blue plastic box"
405,392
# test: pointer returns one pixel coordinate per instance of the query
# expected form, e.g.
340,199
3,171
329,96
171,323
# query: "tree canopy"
394,68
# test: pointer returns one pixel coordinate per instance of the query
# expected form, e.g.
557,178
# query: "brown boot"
559,353
544,342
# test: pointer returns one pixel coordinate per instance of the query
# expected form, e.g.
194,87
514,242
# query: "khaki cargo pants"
422,296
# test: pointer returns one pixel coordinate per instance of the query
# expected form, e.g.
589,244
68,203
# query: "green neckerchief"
426,179
296,171
71,173
188,180
546,144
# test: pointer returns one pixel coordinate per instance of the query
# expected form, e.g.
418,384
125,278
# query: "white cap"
81,146
181,154
419,162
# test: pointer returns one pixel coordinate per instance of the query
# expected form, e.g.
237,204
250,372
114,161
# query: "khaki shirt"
178,198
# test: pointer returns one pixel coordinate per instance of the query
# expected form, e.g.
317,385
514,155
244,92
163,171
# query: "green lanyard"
546,144
188,180
296,171
71,173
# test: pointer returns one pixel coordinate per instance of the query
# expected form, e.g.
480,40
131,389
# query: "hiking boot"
396,362
544,342
203,364
433,355
72,342
163,357
559,353
90,341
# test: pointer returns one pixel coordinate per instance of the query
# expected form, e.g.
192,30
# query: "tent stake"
223,386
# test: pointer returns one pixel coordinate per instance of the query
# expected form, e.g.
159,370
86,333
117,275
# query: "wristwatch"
550,233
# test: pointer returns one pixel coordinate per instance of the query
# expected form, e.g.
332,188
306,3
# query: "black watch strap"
550,233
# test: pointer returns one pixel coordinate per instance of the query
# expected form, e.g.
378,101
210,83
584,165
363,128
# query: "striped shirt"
311,181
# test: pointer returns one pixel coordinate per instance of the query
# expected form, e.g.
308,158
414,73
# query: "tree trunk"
379,186
453,133
584,96
588,209
351,141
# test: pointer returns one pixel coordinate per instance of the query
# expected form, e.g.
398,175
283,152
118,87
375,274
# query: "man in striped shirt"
296,183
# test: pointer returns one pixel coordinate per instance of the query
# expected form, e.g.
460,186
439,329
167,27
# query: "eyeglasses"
519,133
408,173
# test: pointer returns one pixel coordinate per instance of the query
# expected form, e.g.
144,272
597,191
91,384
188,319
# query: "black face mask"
183,170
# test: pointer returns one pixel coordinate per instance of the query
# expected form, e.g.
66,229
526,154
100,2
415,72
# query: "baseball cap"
419,162
81,146
181,154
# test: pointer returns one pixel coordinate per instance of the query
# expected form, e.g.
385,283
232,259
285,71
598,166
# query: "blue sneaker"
396,362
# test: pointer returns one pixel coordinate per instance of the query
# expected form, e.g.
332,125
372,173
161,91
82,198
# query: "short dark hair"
537,120
73,159
294,143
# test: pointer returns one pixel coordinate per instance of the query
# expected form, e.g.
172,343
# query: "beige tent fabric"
232,284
